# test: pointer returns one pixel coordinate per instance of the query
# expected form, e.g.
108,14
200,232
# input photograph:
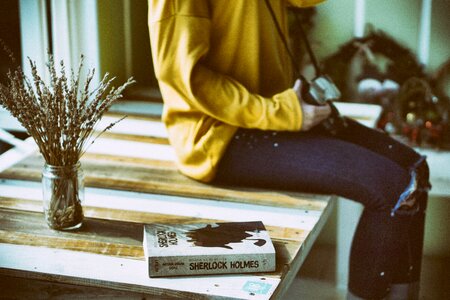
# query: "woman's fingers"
313,115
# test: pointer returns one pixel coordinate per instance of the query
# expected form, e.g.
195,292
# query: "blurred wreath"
378,69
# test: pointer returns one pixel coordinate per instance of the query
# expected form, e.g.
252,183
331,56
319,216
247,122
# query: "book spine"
163,266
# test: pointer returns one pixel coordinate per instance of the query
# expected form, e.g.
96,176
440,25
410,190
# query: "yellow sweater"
220,65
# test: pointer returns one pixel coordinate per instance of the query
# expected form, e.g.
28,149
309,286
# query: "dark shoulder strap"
286,45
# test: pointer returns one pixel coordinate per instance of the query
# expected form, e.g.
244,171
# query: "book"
208,248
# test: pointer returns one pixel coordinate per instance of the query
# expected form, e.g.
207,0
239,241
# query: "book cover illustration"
208,248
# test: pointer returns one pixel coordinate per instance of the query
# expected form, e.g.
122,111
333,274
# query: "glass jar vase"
63,192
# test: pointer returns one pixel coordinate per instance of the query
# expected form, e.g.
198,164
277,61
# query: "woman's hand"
312,114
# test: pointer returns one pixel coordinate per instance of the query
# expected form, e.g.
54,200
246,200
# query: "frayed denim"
358,163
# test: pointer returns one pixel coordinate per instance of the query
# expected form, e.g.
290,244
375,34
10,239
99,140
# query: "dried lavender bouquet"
60,116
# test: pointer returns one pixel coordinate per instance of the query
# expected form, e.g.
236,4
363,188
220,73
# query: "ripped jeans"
360,164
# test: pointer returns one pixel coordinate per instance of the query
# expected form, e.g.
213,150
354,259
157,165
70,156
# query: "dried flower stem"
61,117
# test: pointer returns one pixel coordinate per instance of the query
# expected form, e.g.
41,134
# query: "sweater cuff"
297,112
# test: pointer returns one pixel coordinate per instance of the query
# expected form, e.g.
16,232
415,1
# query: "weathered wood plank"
27,288
136,138
302,252
144,117
112,237
133,126
152,177
111,249
87,269
173,205
11,208
8,206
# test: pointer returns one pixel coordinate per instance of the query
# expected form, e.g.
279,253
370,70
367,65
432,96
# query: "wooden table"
131,179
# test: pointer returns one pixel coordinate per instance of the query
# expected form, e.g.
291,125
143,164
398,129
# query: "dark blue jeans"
358,163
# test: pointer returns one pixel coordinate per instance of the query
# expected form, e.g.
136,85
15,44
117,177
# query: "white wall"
400,18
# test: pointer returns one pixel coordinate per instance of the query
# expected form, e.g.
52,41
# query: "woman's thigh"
378,142
313,162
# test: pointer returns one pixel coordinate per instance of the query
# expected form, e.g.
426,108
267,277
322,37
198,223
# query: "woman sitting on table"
235,115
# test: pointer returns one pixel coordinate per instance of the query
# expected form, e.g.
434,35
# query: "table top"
131,179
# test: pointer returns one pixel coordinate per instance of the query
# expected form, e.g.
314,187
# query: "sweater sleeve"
180,45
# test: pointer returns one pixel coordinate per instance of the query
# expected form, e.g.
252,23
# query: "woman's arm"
180,38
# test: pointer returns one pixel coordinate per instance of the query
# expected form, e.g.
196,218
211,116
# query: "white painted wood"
142,127
134,126
138,107
366,114
75,32
175,205
10,139
34,35
61,33
425,32
348,214
359,18
16,154
8,122
95,267
132,149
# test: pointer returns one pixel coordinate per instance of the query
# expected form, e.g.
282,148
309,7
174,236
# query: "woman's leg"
378,142
405,156
386,250
312,162
315,162
406,277
406,272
